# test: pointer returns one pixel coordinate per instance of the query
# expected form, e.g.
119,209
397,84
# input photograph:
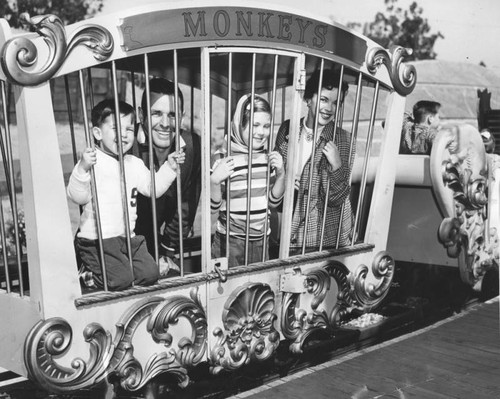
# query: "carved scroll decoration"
298,324
368,295
459,171
249,332
20,54
50,339
160,314
403,77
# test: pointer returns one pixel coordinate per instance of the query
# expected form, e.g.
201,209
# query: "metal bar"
93,188
313,153
178,170
70,119
228,150
4,248
354,133
250,155
269,149
10,177
122,166
327,194
366,163
91,88
151,160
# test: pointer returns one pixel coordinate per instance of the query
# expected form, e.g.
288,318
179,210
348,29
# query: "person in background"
163,129
418,132
333,160
107,171
236,168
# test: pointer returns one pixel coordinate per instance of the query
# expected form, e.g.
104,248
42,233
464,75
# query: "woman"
333,160
236,167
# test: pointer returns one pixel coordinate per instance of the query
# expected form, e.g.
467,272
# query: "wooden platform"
458,357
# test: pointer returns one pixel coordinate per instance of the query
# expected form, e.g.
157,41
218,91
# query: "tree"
69,11
406,28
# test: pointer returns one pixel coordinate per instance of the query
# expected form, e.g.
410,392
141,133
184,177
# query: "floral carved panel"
459,174
314,310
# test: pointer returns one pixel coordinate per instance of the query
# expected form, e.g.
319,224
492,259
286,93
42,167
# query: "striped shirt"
260,197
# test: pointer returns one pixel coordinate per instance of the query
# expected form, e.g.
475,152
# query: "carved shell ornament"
403,77
19,56
459,175
249,333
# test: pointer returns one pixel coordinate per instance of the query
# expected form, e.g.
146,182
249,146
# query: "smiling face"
162,120
261,130
327,107
107,137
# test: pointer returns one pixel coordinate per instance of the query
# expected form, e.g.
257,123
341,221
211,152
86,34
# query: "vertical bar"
354,133
336,126
228,150
134,100
291,164
250,156
10,177
151,160
269,149
4,246
93,188
70,119
91,88
122,166
205,163
313,153
178,170
366,163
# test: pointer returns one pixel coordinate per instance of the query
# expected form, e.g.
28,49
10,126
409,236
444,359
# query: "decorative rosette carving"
298,324
368,295
160,313
20,55
249,332
403,77
49,340
459,174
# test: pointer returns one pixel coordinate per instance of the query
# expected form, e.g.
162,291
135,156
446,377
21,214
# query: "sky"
471,28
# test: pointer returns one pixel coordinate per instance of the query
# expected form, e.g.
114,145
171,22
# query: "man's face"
162,119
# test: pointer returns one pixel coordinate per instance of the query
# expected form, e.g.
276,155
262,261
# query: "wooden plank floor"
456,358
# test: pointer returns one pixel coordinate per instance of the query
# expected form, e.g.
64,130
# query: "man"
418,132
163,115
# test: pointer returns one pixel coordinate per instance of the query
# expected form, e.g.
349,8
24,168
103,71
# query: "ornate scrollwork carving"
50,339
368,295
19,54
160,313
299,324
249,332
403,77
459,171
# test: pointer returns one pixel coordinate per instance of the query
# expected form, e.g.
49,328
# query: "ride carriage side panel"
171,327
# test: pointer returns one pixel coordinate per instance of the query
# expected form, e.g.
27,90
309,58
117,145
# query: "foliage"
69,11
406,28
10,234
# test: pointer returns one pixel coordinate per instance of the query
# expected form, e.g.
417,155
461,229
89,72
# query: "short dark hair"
106,108
331,80
423,108
161,86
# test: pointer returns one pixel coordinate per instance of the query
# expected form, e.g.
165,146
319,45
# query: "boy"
418,133
106,165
